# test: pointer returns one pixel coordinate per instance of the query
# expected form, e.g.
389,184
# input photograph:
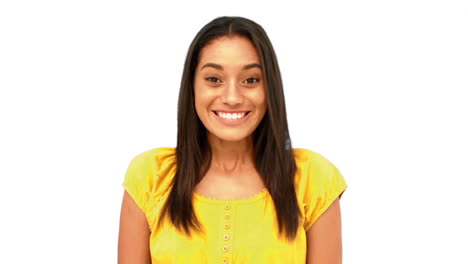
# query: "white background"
377,87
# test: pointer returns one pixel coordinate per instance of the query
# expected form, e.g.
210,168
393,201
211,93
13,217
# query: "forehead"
229,51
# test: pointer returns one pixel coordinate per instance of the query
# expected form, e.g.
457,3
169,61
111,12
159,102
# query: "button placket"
227,234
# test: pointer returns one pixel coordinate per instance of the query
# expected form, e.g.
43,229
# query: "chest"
237,231
241,186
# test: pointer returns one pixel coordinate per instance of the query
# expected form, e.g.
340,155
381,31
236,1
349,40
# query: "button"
227,216
226,237
227,207
225,248
225,260
227,226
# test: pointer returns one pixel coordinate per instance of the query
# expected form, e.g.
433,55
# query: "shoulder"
315,173
157,161
308,159
306,155
318,183
151,170
156,157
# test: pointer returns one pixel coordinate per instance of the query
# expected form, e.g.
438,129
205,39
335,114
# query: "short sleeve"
321,184
139,178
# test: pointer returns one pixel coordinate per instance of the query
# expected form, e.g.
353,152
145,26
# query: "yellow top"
236,231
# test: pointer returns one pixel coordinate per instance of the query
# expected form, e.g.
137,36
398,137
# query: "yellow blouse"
236,231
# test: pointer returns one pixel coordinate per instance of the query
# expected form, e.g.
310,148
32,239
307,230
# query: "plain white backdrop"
377,87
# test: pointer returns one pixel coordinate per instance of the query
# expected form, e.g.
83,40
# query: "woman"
233,190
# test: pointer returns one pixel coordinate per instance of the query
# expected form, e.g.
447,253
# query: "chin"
231,137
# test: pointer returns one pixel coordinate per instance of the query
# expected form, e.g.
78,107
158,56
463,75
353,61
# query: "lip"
231,122
230,111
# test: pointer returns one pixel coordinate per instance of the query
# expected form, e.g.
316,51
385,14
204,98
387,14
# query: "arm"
134,234
324,237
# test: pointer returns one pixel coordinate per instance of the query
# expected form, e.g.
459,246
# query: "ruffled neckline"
250,199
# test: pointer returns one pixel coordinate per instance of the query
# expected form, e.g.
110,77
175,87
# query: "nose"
232,95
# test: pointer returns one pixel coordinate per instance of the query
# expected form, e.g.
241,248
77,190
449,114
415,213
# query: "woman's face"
229,88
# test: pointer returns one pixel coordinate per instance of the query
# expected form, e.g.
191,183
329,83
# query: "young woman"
233,190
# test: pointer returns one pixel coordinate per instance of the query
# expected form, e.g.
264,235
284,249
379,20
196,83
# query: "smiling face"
229,88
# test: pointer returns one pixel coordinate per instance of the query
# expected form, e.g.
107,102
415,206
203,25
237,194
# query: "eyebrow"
219,67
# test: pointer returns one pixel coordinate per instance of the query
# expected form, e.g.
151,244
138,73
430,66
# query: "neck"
231,156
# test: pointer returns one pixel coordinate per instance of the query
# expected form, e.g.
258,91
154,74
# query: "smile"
232,118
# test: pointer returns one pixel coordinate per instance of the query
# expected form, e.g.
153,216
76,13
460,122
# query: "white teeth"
231,116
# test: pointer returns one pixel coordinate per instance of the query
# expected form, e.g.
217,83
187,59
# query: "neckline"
249,199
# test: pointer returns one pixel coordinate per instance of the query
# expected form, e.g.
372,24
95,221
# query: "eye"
252,80
213,79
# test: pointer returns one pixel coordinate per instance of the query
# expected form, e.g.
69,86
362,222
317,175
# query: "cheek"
261,104
259,97
203,99
199,105
198,96
198,92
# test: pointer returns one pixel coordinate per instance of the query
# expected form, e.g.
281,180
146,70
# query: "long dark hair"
274,158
